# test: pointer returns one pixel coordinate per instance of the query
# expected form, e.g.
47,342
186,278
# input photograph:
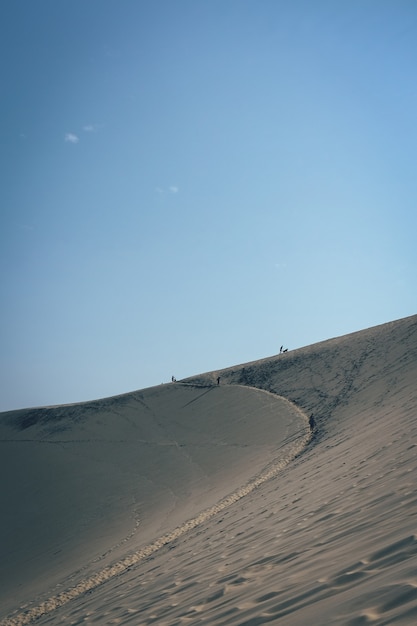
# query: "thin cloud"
172,189
71,138
92,128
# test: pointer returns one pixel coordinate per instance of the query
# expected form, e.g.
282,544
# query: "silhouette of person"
218,380
280,350
173,379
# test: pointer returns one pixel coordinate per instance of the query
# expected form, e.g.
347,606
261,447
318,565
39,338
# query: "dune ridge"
331,539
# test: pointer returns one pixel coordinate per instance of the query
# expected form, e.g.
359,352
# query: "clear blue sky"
189,184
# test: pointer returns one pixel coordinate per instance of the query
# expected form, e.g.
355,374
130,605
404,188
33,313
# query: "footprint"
399,595
347,579
395,552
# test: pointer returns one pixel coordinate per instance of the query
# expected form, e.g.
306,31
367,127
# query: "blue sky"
188,185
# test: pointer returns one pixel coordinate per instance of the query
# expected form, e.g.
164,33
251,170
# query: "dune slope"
87,483
330,539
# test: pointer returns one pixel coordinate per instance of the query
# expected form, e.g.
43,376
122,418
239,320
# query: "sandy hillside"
86,483
330,538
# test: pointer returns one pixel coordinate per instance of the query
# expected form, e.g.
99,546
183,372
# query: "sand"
193,503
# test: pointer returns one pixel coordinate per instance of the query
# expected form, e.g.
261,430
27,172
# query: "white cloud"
71,138
173,189
92,128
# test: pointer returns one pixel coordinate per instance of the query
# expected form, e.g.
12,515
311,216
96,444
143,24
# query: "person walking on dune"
218,380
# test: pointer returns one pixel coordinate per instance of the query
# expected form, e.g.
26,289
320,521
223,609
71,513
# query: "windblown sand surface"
194,503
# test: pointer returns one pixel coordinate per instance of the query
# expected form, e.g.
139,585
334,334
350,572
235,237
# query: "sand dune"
196,503
88,482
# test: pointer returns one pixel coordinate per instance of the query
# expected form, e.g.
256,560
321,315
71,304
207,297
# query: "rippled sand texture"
329,538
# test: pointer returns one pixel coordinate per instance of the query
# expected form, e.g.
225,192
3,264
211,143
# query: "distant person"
286,350
280,350
312,422
173,379
218,380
